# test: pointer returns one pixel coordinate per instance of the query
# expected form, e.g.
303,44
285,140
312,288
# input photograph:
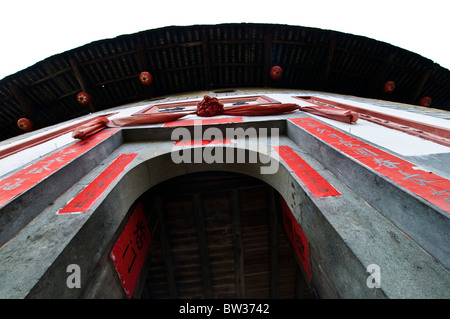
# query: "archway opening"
219,235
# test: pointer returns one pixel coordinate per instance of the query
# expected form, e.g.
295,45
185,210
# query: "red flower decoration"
25,124
209,106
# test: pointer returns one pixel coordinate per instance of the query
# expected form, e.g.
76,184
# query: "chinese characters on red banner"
24,179
431,187
88,196
130,250
297,238
312,180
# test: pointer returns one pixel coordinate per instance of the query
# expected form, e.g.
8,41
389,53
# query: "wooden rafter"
328,62
273,238
143,65
23,101
142,57
238,246
381,75
164,238
300,284
203,246
267,57
416,93
80,79
206,62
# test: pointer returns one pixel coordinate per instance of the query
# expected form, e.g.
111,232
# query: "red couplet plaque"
427,185
318,185
297,237
130,250
89,195
26,178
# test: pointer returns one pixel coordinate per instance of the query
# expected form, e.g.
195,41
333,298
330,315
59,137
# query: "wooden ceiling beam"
107,58
380,76
273,249
238,246
23,102
300,284
328,62
51,76
203,246
142,57
80,79
237,64
165,246
235,41
418,91
267,57
206,63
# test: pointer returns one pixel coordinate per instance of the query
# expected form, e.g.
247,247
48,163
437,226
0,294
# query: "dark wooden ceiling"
210,57
219,235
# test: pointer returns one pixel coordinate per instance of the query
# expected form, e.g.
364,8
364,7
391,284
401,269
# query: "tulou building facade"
235,161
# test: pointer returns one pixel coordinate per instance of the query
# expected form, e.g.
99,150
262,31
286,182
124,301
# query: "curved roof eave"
208,57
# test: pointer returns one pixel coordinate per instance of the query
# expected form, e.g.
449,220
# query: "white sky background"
32,30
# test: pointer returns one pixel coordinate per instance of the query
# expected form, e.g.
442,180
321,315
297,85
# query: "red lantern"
84,98
25,124
145,78
276,72
389,87
425,101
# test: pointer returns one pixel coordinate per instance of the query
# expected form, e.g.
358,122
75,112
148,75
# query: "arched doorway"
219,235
344,233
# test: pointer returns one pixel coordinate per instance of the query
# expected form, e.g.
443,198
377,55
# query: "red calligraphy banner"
130,250
297,237
26,178
431,187
318,185
89,195
204,122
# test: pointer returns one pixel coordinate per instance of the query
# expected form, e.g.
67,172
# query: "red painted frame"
426,131
260,99
130,250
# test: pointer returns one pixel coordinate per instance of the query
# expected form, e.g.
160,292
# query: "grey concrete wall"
24,208
428,225
345,233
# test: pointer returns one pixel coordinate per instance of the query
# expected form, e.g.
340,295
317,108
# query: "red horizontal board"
202,142
312,180
26,178
130,250
204,122
431,187
297,237
89,195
